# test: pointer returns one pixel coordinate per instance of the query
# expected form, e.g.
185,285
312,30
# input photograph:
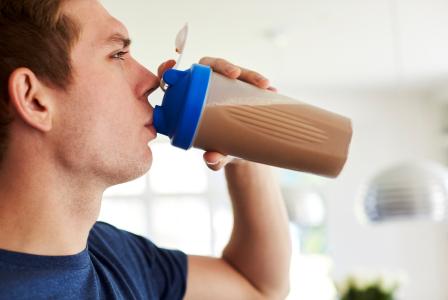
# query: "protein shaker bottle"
206,110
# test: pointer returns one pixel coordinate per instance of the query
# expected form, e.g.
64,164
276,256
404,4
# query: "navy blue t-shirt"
115,265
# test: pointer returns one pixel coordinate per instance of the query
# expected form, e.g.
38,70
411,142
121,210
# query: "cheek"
104,110
108,102
107,87
109,127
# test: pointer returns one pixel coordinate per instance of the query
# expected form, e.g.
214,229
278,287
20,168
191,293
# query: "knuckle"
254,74
205,60
221,63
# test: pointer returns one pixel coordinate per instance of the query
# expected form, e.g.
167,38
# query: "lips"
152,130
149,124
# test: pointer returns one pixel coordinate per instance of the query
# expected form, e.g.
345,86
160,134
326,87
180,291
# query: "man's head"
36,36
72,90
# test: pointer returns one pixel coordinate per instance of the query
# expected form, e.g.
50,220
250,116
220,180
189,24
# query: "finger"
272,89
230,70
254,78
222,66
165,66
215,160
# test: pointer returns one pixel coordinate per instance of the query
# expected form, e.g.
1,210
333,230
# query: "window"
170,205
181,204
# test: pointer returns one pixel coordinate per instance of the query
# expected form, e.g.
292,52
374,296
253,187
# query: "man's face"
100,122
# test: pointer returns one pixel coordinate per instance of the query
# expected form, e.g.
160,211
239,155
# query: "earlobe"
30,100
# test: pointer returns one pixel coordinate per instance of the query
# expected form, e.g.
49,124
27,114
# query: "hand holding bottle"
215,160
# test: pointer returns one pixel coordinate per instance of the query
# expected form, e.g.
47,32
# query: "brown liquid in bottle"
294,136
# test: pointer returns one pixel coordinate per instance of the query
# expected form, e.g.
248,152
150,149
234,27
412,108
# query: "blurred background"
381,63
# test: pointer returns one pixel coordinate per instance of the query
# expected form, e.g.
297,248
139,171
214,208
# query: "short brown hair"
36,35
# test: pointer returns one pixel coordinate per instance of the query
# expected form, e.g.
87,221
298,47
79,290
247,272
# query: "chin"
132,169
148,159
144,165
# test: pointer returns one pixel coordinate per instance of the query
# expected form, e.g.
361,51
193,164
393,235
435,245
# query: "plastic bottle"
206,110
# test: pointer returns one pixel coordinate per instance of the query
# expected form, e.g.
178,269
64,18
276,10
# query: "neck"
43,210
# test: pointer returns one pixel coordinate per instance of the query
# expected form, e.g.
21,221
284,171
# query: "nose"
146,82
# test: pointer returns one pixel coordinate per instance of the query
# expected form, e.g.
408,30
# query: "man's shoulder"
164,269
103,228
104,232
104,235
108,239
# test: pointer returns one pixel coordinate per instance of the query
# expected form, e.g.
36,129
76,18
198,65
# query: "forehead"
95,21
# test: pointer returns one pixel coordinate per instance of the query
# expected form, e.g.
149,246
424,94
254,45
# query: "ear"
31,99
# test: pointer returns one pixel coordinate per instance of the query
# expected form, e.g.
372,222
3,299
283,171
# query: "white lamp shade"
413,190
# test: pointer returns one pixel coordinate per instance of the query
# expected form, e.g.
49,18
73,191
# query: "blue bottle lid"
179,115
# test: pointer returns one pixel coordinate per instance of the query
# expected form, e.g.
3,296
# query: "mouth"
151,128
149,123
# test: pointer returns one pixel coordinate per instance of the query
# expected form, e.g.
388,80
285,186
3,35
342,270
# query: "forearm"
259,247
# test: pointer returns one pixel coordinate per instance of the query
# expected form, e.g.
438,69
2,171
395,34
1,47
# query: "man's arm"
255,262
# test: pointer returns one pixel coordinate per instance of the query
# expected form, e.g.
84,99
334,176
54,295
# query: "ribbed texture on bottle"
278,124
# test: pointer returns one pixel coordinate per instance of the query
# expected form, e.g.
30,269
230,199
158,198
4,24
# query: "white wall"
334,44
388,128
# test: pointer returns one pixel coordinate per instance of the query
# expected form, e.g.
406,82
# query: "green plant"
376,289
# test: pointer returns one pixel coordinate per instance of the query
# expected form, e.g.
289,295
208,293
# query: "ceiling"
306,44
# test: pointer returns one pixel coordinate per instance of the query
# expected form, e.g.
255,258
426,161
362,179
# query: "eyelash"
120,55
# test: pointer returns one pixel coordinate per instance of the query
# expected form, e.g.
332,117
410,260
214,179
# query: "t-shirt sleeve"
163,271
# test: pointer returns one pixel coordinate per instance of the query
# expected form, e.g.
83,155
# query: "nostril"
149,92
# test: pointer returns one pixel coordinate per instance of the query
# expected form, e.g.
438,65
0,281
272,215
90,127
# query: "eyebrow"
118,38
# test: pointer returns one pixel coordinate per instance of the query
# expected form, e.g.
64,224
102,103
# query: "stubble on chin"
125,170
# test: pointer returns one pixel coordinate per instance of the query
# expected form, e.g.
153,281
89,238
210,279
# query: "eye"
120,55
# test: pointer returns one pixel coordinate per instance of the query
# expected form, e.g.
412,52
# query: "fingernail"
210,163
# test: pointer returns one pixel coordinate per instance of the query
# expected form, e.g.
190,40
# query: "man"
75,120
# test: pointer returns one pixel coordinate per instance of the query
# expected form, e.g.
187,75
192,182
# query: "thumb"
215,160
